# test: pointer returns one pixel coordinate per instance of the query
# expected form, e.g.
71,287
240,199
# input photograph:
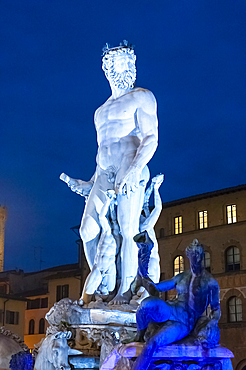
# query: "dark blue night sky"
191,54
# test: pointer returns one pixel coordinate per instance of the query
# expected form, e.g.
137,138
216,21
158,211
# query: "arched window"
235,309
241,365
206,261
232,259
178,265
41,326
31,327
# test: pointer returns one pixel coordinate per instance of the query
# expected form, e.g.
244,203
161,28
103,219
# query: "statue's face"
123,63
196,259
120,70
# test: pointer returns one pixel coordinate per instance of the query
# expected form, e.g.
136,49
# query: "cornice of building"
68,267
210,194
229,273
12,297
205,230
64,274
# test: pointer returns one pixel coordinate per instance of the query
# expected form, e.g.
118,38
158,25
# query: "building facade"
12,313
53,284
25,298
218,220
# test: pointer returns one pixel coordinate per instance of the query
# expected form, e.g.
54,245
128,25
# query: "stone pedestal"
172,357
95,330
98,341
84,362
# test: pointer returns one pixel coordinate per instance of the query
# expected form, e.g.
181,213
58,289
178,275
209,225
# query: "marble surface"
170,357
127,135
175,351
73,314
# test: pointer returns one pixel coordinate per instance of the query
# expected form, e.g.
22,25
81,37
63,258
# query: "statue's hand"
80,187
130,182
149,285
136,284
111,195
157,181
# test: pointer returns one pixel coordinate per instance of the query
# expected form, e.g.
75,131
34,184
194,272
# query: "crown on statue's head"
123,45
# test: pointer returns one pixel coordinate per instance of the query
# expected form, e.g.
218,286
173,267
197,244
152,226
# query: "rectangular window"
12,317
231,212
33,304
203,219
178,227
62,291
3,289
58,293
65,291
44,302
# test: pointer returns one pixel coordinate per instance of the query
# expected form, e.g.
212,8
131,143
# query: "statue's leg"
110,275
129,210
151,309
90,224
92,281
154,262
105,261
128,214
171,332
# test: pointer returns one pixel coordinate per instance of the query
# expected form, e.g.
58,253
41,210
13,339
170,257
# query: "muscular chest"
194,286
117,115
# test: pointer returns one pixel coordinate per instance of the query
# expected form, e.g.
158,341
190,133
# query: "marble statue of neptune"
127,137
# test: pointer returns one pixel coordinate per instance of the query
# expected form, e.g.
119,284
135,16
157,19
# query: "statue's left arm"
147,123
214,300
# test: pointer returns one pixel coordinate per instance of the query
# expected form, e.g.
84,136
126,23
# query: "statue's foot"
139,337
85,299
130,339
121,299
144,295
118,300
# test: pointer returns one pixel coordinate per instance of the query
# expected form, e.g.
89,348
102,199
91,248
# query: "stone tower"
3,217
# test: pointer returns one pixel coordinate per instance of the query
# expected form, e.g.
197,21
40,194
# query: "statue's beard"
124,80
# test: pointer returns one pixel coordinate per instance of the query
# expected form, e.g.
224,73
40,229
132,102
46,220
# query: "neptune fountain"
117,229
127,136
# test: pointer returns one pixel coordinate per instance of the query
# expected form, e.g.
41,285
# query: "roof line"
69,266
210,194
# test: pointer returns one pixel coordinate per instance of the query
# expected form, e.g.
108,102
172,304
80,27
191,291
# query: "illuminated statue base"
171,357
94,332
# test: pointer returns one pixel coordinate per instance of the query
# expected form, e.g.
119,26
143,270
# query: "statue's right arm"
166,285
